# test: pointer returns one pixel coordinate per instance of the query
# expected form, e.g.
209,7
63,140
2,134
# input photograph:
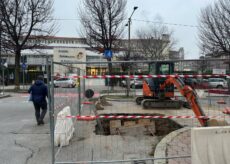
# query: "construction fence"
96,119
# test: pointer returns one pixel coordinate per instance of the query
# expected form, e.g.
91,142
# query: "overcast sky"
180,12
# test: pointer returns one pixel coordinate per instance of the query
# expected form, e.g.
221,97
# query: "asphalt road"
22,141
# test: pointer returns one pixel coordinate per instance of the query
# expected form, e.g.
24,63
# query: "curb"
120,100
14,91
4,96
160,151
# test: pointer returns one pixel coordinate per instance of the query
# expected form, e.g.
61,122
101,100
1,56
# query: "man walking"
39,93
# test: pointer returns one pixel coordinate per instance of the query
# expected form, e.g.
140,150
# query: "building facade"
68,51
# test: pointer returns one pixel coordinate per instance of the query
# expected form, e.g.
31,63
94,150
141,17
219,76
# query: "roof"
37,52
55,37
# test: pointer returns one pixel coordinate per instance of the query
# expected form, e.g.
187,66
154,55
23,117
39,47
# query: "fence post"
23,79
79,92
84,73
50,85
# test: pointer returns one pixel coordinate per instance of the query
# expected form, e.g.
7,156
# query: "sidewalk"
7,91
11,87
4,95
175,144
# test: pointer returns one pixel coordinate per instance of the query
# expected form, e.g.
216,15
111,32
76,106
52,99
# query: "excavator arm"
190,96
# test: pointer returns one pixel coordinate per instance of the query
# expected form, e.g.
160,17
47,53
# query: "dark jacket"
39,92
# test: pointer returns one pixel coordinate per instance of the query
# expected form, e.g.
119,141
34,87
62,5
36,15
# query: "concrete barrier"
64,128
210,145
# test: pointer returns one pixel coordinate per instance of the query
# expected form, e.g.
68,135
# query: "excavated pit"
133,127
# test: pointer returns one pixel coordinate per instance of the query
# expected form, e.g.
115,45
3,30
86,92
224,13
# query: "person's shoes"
41,122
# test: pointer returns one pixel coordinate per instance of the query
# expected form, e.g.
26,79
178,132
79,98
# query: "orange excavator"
190,96
153,97
159,92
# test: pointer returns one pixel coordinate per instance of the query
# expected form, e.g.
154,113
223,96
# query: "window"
63,51
164,69
24,59
152,69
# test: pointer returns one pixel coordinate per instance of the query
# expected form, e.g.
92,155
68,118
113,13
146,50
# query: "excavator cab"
153,95
151,86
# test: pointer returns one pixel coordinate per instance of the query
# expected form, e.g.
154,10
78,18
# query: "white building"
65,50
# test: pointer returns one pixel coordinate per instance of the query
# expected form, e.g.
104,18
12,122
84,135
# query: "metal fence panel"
112,128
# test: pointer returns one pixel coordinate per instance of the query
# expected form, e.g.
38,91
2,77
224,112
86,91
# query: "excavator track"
139,99
157,103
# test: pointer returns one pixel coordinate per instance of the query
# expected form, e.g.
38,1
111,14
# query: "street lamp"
129,33
129,47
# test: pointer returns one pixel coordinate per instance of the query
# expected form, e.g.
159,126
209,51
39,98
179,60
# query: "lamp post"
129,47
129,28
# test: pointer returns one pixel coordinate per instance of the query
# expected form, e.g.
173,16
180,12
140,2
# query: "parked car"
217,83
203,83
65,82
133,82
190,81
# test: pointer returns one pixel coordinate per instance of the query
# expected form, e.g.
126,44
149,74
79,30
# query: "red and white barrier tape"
88,103
227,110
87,118
146,76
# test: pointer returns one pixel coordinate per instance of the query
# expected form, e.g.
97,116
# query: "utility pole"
129,48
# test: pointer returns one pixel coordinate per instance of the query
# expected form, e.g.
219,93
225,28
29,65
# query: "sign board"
108,53
218,71
24,66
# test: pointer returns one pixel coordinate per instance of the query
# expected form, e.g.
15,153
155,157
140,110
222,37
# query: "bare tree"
135,54
102,21
155,41
22,19
214,31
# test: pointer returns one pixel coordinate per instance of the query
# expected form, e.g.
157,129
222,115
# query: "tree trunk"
111,81
17,70
110,66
